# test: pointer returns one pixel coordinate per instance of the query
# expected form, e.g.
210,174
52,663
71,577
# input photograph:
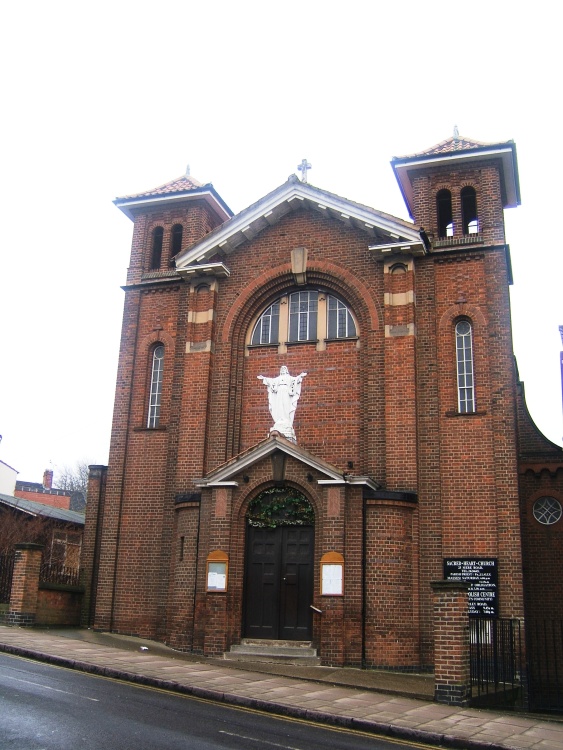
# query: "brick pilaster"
217,602
451,643
25,585
92,539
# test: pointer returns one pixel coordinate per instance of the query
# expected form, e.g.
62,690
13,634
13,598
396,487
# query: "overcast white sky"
101,100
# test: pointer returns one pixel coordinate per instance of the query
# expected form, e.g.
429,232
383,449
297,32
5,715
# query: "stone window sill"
455,413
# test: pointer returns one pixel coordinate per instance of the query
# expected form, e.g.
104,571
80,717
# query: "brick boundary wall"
58,604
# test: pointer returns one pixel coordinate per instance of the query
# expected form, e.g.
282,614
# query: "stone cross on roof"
303,167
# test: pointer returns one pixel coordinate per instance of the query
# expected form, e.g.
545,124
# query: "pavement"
389,704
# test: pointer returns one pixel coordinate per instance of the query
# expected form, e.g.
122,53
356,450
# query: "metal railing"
60,574
544,642
6,574
496,663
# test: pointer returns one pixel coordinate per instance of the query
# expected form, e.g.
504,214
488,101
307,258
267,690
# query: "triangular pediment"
380,228
225,475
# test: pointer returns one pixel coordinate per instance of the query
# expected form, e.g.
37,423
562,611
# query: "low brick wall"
58,604
33,602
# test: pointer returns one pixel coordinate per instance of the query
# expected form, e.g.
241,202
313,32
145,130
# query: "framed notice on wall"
481,573
217,569
332,574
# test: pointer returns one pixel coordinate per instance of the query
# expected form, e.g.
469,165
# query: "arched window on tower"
469,211
465,369
155,394
445,214
156,254
177,232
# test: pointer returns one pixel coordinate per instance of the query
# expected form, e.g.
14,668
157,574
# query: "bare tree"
73,478
17,527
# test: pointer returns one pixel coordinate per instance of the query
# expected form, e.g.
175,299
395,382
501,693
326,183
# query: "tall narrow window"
340,323
303,316
156,254
155,396
266,330
445,214
177,232
469,211
465,379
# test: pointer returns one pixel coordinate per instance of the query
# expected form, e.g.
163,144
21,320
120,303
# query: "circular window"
547,510
463,328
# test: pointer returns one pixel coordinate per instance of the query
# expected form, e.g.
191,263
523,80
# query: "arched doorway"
279,566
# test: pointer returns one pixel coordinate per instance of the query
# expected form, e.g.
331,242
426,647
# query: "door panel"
297,583
262,583
279,583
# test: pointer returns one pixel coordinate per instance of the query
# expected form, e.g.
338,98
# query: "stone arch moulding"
156,336
358,294
462,310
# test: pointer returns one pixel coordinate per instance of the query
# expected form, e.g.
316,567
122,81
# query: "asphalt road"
49,708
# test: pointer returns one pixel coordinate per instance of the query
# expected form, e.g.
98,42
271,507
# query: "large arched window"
155,394
445,213
303,307
156,253
309,315
177,233
469,211
465,369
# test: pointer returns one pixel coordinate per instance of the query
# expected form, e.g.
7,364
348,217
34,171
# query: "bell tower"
457,190
456,193
152,378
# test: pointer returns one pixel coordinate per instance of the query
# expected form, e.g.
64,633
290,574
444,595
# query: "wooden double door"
279,583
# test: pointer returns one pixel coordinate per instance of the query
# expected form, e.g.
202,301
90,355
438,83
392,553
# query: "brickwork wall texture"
540,476
57,607
383,405
391,629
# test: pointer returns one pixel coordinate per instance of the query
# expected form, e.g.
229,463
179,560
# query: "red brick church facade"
207,528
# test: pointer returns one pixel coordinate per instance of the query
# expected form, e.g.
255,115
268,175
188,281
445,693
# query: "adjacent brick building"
207,527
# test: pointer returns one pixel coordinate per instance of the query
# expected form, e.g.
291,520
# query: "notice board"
481,573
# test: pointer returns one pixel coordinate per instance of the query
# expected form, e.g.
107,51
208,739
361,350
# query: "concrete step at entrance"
286,652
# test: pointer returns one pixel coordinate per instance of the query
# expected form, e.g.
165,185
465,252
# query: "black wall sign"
482,575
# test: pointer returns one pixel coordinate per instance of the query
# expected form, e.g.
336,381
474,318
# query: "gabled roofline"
223,475
506,152
130,205
289,196
40,509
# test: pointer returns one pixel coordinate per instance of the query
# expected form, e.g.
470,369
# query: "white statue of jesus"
283,395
